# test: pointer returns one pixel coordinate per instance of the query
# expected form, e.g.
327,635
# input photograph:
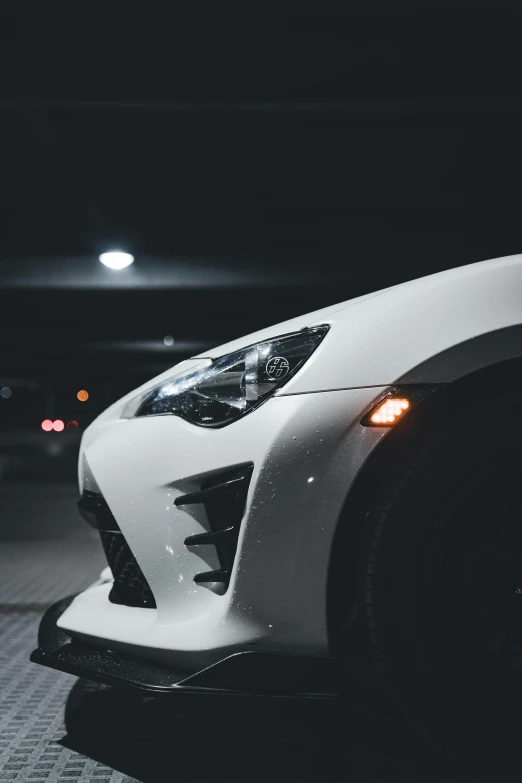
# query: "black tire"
81,714
98,711
444,526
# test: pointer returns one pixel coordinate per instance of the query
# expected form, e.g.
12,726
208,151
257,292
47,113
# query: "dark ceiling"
260,161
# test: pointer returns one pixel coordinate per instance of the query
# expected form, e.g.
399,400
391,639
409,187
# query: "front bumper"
306,451
247,673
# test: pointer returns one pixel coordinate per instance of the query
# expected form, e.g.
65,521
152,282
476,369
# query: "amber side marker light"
389,409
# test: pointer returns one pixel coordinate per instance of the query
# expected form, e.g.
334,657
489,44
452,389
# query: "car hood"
400,334
383,337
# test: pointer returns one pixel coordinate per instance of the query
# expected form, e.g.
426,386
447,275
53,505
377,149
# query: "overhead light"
115,259
168,340
83,395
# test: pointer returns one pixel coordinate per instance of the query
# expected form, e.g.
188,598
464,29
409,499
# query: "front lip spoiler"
248,673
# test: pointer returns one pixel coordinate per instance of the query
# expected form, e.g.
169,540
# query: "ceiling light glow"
116,259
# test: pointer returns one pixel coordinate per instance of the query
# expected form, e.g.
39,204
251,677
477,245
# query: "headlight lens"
234,384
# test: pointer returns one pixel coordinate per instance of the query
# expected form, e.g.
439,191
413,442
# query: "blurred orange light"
83,395
72,423
58,425
389,411
46,425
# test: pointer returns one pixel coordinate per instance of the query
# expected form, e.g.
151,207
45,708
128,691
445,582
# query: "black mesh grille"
130,587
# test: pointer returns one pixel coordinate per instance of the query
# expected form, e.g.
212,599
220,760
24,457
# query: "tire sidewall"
425,478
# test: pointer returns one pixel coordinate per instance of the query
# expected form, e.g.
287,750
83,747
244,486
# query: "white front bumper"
306,450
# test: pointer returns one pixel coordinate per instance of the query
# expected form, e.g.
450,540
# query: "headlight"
234,384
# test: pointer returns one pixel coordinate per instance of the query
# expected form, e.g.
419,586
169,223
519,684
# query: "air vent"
94,509
224,497
130,588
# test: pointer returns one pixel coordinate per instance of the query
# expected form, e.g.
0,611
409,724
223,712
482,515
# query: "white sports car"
343,486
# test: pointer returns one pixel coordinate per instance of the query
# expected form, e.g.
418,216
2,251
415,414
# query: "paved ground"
45,553
31,727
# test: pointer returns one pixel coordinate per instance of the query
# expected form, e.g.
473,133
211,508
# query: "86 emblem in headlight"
277,367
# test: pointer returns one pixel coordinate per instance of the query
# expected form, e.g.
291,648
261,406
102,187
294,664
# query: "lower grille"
130,588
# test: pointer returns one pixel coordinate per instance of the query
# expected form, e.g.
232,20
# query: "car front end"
217,487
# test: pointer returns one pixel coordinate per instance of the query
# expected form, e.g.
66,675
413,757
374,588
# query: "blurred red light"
58,425
72,423
46,425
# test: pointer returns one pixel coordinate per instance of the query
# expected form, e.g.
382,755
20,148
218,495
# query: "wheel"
439,581
80,713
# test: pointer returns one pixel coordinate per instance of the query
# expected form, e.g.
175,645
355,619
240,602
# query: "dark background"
259,160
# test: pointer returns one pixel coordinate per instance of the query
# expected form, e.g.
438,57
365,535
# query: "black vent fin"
212,576
204,495
224,497
212,537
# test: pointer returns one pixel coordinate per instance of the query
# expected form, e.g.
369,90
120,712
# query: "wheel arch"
481,353
441,409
